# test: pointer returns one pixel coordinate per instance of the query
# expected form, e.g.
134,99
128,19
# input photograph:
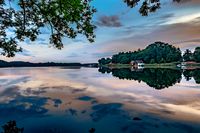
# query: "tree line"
45,64
158,52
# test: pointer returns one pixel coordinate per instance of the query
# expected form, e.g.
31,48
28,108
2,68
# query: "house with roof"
137,63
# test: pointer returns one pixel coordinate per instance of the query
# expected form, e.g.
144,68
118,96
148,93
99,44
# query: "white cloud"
183,19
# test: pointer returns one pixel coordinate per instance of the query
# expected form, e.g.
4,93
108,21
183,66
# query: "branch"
24,15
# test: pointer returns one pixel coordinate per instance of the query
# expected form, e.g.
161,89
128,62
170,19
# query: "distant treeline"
158,52
29,64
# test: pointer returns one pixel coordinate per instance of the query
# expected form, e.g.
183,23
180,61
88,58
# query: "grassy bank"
162,65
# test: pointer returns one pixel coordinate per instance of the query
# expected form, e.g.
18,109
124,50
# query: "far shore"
172,65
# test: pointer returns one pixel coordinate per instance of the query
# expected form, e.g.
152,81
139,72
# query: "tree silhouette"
147,6
11,127
197,54
92,130
188,56
192,73
66,18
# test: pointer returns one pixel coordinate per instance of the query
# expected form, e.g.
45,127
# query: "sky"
120,28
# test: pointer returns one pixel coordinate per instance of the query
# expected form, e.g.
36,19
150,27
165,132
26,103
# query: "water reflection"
22,105
154,77
192,73
83,100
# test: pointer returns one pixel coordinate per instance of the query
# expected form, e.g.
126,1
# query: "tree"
161,52
192,73
147,6
188,56
158,52
66,18
104,61
11,127
197,54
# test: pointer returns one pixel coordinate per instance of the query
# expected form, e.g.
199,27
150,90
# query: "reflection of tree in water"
187,74
11,127
105,70
156,78
192,73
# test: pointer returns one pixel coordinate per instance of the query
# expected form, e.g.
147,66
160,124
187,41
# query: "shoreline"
163,65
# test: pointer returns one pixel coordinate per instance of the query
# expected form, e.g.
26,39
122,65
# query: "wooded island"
158,53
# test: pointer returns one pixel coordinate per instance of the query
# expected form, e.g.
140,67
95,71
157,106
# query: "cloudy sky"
120,28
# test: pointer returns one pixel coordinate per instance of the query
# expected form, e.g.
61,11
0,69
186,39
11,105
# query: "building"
137,63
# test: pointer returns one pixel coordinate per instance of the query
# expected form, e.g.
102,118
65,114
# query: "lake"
64,100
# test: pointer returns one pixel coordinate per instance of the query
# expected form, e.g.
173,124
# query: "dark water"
57,100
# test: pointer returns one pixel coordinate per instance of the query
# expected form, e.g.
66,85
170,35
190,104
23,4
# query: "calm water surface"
46,100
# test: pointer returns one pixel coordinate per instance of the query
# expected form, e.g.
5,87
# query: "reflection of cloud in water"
108,88
14,104
86,98
183,108
73,112
23,107
75,90
57,102
8,93
8,81
31,91
102,110
99,99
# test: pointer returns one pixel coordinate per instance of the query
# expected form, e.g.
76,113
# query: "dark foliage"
197,54
104,61
66,18
92,130
192,73
188,55
147,6
157,52
156,78
11,127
